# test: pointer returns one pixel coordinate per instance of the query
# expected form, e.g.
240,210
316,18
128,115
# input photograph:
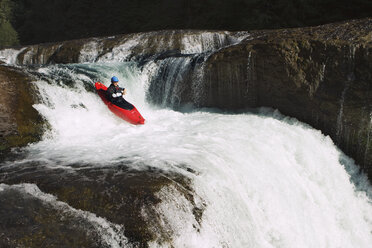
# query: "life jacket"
114,93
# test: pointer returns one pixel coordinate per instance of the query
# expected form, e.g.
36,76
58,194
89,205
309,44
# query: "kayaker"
115,94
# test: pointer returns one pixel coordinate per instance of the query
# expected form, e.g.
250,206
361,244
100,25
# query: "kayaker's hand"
124,92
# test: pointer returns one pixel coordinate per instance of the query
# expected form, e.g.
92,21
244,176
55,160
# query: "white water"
9,56
266,180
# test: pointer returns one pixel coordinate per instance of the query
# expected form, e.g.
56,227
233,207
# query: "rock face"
20,122
319,75
94,206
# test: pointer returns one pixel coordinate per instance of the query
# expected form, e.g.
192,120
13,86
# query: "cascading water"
256,179
350,77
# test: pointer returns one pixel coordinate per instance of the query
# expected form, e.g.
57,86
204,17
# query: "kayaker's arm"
112,94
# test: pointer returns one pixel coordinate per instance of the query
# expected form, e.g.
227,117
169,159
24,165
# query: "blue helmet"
114,79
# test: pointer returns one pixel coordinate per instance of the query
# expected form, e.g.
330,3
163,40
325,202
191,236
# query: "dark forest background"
35,21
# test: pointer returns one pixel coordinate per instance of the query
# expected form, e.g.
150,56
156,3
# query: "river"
252,178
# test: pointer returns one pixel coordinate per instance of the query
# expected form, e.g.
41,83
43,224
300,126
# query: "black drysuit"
114,95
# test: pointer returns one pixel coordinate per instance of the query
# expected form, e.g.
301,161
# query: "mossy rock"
22,123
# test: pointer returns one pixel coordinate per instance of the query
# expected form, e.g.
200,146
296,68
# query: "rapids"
259,179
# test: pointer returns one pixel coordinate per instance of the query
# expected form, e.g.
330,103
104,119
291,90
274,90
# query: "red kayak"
131,116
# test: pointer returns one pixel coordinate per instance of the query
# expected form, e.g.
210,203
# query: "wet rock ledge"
91,206
20,123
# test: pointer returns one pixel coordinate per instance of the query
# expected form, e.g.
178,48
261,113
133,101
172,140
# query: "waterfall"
251,94
369,128
9,56
350,77
341,112
322,71
177,82
189,177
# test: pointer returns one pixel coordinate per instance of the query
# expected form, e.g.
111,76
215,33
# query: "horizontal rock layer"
127,47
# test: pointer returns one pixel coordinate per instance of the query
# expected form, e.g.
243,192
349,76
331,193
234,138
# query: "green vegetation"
8,36
42,20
